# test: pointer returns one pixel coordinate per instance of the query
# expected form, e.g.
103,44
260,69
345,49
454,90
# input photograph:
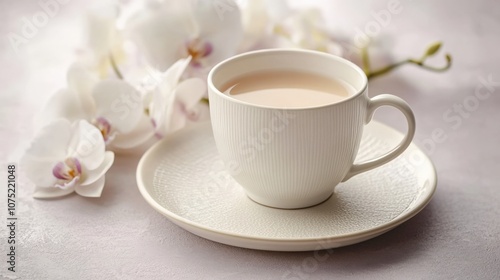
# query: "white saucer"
183,178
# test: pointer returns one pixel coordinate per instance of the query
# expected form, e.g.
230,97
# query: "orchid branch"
431,51
115,67
365,60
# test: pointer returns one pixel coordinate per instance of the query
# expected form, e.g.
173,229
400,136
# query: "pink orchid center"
198,49
104,127
68,171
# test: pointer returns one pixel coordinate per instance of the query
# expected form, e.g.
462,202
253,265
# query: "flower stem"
115,67
204,100
365,59
418,62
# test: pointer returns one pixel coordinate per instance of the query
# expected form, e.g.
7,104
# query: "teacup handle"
373,104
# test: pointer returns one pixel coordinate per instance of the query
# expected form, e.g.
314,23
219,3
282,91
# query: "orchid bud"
433,49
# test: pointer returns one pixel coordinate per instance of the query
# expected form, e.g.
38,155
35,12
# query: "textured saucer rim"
358,236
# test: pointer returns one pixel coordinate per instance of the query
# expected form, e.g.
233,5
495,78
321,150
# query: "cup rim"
214,89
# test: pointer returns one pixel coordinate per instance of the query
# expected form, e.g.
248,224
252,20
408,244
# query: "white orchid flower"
67,157
260,18
103,40
176,102
172,30
107,53
271,24
113,106
306,29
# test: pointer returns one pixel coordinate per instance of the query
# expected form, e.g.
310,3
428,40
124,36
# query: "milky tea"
287,89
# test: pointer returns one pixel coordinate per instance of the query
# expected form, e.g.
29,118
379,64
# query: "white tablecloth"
119,236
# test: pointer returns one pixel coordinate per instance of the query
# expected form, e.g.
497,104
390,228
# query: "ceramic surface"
294,157
183,178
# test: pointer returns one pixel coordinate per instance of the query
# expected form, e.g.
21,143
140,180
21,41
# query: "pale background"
120,237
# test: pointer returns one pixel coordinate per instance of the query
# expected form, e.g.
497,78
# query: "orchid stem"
365,60
115,67
204,100
418,62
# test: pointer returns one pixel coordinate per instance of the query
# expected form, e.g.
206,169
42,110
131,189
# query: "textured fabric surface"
119,236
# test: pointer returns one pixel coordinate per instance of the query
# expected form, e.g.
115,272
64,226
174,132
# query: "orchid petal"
81,80
255,17
334,48
87,145
141,133
47,149
198,72
93,175
101,28
173,74
65,104
51,141
160,110
163,127
181,117
213,18
51,192
202,112
157,108
68,184
161,35
222,29
189,92
119,103
161,113
277,10
130,10
177,119
91,190
147,97
39,170
163,99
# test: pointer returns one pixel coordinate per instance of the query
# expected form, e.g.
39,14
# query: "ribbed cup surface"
287,158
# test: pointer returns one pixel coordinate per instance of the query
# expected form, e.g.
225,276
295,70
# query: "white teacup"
294,157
